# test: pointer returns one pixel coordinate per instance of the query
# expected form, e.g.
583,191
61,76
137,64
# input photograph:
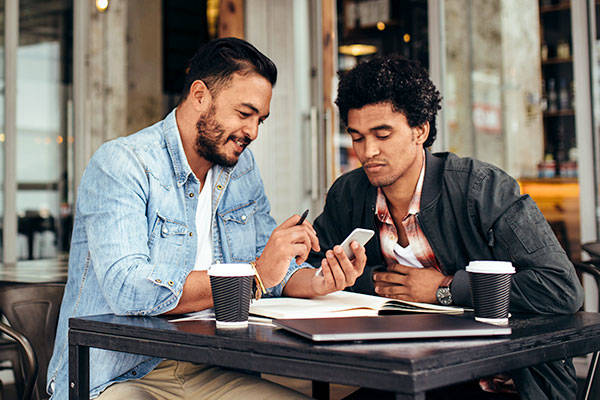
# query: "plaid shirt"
388,234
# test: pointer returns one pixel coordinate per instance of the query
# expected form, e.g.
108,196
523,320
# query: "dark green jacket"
471,210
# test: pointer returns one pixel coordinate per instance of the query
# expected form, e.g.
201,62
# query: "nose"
251,129
371,147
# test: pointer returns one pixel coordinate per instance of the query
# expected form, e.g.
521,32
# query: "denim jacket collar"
175,148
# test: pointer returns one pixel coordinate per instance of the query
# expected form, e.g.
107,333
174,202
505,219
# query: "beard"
383,181
212,138
380,180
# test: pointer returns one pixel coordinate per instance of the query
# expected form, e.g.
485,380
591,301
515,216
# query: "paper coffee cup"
490,288
231,286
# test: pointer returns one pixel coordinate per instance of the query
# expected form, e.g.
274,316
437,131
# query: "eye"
383,137
244,114
356,139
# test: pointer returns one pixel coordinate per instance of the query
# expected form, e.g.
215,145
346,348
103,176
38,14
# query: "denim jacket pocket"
168,230
240,231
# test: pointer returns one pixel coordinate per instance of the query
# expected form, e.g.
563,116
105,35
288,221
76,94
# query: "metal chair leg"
591,382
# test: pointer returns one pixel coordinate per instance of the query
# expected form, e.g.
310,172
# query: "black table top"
420,364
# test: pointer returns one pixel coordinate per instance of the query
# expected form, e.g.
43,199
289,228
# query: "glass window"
378,27
44,137
509,99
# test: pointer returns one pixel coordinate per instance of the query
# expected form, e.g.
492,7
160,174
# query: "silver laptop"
406,326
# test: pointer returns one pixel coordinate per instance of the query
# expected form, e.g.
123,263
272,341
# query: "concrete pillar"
144,64
124,68
107,73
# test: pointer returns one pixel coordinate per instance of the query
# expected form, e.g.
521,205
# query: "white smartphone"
360,235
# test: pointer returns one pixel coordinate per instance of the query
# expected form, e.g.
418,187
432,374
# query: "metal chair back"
29,364
32,309
591,388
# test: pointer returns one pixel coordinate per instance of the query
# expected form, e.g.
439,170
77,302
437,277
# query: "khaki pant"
184,380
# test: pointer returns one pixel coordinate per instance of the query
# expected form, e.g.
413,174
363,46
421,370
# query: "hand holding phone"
360,235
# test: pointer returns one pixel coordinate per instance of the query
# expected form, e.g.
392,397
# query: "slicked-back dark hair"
216,61
391,79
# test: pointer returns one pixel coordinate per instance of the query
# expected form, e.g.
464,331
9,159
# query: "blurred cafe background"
520,81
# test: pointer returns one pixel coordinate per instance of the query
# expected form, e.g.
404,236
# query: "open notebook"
341,304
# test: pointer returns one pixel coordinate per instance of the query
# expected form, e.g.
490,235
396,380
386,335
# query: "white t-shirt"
405,256
203,225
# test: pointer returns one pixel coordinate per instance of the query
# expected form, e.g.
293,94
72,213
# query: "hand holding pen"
293,239
302,217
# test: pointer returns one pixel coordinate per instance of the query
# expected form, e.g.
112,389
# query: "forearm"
533,290
196,294
300,284
545,281
546,291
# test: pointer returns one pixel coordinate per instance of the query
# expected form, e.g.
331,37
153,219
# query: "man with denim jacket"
433,213
156,208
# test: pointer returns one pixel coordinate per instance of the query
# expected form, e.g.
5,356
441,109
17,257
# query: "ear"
421,132
199,96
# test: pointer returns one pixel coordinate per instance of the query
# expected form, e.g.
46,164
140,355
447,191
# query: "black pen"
303,217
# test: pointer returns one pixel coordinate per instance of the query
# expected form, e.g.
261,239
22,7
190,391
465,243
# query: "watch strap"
447,281
258,288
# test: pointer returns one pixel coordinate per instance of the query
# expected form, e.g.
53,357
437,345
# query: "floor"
8,387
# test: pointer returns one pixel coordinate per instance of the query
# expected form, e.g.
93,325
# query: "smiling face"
388,148
231,120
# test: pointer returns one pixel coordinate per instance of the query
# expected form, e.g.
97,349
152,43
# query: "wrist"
443,294
258,287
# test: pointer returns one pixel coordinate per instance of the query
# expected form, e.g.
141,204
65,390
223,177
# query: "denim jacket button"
170,283
157,281
191,194
134,373
243,217
219,187
191,233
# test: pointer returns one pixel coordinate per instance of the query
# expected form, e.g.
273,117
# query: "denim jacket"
134,239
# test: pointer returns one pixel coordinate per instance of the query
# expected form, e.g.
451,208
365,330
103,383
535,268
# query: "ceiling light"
357,49
101,5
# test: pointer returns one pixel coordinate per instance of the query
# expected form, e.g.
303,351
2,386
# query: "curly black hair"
394,79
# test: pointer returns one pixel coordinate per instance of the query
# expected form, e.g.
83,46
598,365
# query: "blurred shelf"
40,186
562,6
549,61
559,113
535,179
371,27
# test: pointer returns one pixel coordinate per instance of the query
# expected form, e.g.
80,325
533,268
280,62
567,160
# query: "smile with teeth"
240,143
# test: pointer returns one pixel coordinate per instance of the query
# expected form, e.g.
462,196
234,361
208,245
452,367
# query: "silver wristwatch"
443,294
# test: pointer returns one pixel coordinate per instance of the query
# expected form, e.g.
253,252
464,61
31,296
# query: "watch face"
443,295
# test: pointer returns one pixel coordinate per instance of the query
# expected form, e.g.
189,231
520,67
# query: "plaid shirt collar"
381,208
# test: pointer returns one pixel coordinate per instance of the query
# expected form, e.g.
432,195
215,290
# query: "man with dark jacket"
433,213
